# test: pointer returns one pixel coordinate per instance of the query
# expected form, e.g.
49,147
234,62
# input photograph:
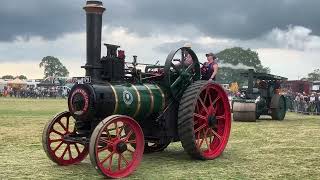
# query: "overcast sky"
285,33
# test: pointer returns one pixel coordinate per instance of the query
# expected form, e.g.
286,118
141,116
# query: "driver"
210,68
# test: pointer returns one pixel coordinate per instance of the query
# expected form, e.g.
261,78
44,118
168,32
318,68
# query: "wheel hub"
212,121
121,147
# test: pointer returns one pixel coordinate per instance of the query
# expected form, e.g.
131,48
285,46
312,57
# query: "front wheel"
204,120
116,146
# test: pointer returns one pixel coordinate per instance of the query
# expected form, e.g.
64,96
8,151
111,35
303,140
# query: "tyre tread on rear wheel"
204,120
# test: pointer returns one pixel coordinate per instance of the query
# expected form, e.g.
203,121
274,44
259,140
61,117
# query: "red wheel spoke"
200,142
128,135
120,131
131,141
203,105
195,122
70,153
110,162
221,117
125,160
200,116
57,132
119,162
64,152
116,128
58,146
54,140
214,110
210,100
67,124
77,148
103,140
197,108
199,128
59,122
216,134
105,159
215,101
205,136
103,149
206,95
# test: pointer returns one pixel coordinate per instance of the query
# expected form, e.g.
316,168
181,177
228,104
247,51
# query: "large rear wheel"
204,120
116,146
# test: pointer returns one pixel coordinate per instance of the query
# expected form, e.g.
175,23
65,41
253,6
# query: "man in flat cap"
210,68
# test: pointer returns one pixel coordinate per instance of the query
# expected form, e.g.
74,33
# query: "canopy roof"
264,76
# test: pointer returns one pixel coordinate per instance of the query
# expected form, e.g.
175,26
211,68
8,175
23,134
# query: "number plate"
81,80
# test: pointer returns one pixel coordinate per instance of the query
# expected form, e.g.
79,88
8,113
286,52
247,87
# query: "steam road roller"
117,111
262,97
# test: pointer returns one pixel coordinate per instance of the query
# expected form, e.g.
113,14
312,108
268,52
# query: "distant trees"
13,77
235,60
7,77
53,67
313,76
22,77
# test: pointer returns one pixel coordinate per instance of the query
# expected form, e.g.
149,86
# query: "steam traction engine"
119,112
261,98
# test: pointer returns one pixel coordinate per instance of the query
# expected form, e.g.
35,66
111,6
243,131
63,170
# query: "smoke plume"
232,66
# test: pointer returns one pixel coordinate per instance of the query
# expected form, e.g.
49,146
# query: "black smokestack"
94,11
250,81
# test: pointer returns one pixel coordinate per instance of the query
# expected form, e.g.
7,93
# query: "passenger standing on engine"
188,61
210,68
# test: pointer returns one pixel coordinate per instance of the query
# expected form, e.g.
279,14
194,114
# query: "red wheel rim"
58,149
119,146
212,121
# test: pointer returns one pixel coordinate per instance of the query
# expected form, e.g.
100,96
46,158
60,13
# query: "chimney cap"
94,7
94,2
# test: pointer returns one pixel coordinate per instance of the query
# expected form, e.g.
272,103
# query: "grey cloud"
244,19
293,37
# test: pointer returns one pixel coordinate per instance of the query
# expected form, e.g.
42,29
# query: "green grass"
288,149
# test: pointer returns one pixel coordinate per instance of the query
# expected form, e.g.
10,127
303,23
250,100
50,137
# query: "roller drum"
245,112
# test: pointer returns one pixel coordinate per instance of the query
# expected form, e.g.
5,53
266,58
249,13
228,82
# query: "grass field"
289,149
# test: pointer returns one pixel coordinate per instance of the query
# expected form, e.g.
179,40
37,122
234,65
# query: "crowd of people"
304,103
35,92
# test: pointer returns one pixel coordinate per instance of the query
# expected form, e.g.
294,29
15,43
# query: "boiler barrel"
138,101
101,100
